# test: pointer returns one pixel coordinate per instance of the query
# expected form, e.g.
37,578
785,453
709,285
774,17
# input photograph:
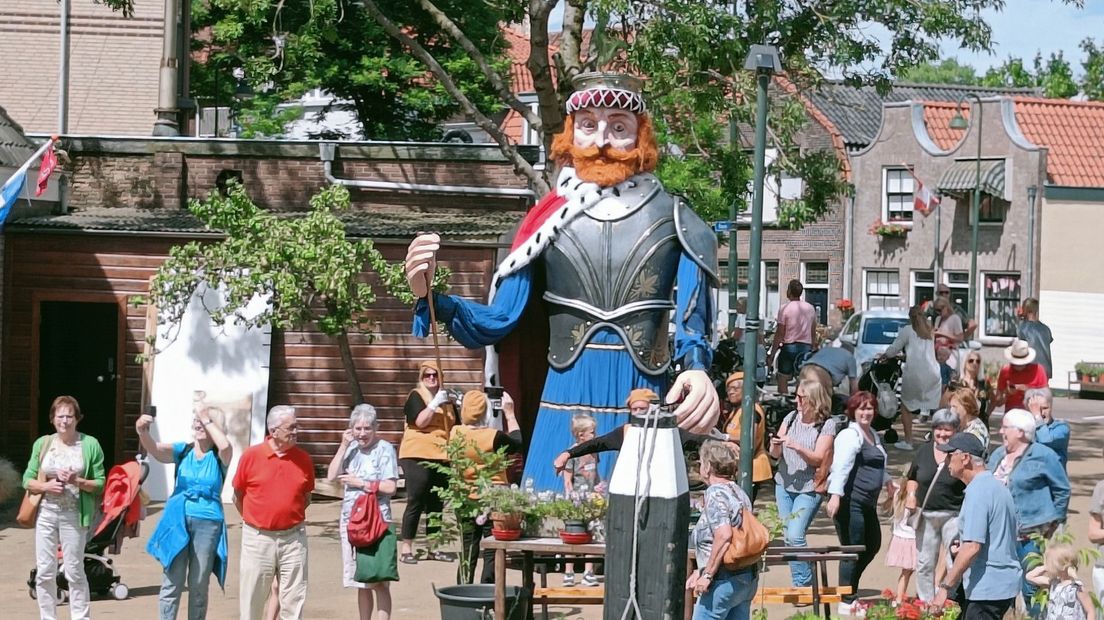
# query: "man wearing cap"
986,560
1020,374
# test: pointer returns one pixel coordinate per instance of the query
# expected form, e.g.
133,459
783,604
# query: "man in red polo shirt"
1021,373
271,491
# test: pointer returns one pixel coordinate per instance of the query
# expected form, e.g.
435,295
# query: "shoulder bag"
28,510
914,518
366,524
749,542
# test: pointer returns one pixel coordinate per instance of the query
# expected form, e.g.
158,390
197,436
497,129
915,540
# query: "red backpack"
366,524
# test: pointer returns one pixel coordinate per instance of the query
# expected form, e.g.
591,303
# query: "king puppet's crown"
606,90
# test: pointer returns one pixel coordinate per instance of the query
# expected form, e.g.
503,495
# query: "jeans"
729,596
933,537
857,524
1027,589
797,511
986,610
56,525
193,564
266,554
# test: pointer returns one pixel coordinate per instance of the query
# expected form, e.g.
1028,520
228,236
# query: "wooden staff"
433,330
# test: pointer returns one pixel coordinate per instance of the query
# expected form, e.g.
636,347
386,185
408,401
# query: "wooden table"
528,547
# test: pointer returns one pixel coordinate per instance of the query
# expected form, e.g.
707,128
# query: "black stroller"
882,379
118,506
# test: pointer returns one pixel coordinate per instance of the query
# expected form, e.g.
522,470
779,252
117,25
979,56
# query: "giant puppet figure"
603,252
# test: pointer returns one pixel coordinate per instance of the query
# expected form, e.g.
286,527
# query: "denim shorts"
789,355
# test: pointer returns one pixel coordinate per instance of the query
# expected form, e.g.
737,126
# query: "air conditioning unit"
212,119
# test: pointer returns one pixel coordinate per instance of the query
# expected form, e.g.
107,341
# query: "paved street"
413,596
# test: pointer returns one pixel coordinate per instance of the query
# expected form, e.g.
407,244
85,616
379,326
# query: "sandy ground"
413,595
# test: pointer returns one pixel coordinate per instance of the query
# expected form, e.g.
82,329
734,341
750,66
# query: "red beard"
605,166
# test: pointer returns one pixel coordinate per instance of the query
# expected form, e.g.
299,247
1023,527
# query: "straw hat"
643,394
1019,353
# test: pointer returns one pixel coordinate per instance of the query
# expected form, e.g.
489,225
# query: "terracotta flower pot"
506,521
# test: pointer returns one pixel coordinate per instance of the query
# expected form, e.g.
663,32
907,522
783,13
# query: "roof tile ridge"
838,143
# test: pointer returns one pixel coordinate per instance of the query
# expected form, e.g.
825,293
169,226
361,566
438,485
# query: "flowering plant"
888,608
887,230
845,305
584,507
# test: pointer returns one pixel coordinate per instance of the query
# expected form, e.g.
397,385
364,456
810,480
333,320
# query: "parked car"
871,332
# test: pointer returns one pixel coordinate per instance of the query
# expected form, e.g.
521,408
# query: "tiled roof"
824,121
857,112
1072,131
360,223
15,148
937,120
517,50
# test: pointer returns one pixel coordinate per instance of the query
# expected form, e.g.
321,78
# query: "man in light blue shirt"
840,364
987,555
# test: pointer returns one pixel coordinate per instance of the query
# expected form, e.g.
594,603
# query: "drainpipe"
63,72
168,116
849,241
1031,192
327,151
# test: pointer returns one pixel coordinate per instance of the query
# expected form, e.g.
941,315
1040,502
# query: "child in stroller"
121,510
881,379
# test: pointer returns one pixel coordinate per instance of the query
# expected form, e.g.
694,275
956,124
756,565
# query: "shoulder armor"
698,240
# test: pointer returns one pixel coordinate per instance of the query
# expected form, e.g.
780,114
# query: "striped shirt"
794,473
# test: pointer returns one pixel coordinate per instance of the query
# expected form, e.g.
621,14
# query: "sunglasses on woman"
430,375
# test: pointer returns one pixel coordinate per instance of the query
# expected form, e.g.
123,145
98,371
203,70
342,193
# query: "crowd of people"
963,518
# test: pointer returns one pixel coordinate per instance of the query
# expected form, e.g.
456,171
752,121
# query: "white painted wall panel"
1075,322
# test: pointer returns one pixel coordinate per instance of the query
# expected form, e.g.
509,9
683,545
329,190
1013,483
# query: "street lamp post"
958,122
764,60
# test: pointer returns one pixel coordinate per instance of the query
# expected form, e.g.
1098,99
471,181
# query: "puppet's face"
612,128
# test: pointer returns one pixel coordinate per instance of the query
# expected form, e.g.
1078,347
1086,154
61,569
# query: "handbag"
366,525
28,509
749,542
914,518
378,562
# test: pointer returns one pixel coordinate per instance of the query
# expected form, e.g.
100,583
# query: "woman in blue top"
190,539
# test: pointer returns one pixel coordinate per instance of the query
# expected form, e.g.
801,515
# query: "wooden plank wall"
306,368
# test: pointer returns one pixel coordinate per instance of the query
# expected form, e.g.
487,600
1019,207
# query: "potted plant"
888,608
846,308
1087,372
509,508
578,513
886,230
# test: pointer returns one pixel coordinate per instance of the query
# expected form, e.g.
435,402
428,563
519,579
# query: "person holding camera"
190,539
430,416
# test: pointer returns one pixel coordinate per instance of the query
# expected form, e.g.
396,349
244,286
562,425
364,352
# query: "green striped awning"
962,176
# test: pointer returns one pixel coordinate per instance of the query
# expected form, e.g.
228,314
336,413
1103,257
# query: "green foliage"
290,48
1092,80
584,507
467,471
304,265
1053,75
126,7
947,71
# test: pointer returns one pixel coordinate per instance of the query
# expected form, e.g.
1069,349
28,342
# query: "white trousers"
1098,582
266,554
60,526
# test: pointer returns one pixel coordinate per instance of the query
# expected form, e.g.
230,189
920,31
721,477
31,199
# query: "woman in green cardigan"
72,476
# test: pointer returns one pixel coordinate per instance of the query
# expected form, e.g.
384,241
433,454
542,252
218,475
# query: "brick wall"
159,173
113,66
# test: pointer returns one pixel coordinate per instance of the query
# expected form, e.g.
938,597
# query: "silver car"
871,332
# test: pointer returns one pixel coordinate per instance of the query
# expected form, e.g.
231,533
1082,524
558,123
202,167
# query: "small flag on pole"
49,162
924,200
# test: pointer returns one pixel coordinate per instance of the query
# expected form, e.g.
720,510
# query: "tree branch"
572,41
548,100
520,165
494,78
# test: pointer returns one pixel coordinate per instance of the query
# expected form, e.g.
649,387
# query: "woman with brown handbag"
67,470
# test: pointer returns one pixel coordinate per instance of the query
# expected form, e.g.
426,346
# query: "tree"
691,50
948,71
305,267
1053,76
1092,80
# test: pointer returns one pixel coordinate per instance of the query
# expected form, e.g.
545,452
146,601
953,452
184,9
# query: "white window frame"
963,288
818,286
983,299
915,283
867,273
911,194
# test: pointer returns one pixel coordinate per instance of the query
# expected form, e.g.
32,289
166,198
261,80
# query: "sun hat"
644,394
1019,353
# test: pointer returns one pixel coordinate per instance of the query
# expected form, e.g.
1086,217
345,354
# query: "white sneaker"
569,579
590,580
903,445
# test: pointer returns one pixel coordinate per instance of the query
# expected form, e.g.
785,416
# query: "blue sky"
1027,26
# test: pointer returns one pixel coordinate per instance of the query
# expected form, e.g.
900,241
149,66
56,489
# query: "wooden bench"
1074,378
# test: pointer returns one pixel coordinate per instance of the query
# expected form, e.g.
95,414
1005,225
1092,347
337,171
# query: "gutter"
328,150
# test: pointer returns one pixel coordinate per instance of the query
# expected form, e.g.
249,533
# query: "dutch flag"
14,186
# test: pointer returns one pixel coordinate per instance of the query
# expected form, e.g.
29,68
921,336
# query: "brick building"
113,66
81,269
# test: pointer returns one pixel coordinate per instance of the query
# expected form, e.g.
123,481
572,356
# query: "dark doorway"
818,298
78,351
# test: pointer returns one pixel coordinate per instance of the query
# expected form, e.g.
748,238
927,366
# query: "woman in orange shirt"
731,424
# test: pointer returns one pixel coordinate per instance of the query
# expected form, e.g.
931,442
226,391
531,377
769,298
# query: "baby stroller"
882,379
121,510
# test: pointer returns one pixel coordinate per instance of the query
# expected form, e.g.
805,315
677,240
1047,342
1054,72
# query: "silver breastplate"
618,274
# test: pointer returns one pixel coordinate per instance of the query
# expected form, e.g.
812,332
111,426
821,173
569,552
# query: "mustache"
606,153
